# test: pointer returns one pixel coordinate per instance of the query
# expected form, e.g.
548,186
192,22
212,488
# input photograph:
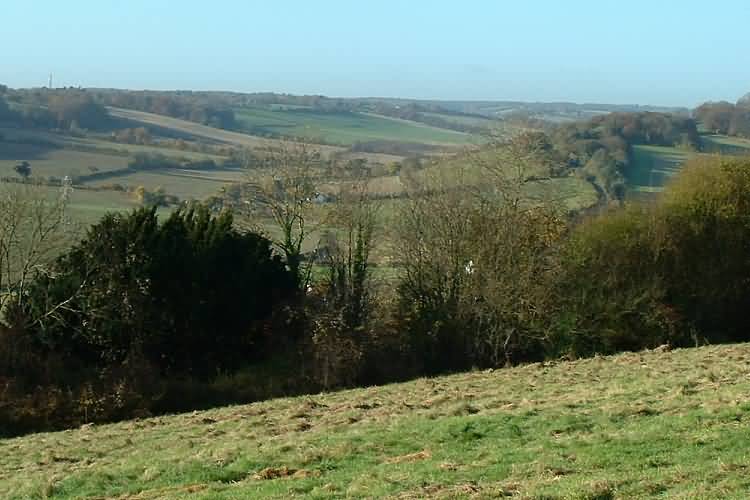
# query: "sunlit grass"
344,128
666,424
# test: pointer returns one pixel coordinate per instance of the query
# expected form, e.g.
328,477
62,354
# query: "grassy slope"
346,128
185,184
87,207
653,166
476,121
667,424
59,155
198,130
46,162
236,139
726,145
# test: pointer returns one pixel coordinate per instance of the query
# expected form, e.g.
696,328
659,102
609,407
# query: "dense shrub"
705,217
674,272
141,316
609,296
189,295
477,303
473,261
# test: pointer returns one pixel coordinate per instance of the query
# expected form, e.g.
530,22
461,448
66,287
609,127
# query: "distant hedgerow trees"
137,135
600,148
65,109
157,197
6,114
196,107
77,109
23,169
726,118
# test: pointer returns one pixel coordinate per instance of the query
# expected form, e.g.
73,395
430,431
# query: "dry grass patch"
671,424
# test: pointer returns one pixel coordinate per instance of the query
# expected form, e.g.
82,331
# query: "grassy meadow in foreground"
638,425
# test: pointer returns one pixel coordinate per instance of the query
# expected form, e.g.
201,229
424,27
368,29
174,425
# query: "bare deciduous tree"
343,329
286,195
473,242
34,229
355,219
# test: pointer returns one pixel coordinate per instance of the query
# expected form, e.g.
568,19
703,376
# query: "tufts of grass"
668,424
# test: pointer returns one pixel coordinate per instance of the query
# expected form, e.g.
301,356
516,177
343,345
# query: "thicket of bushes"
138,310
675,272
136,302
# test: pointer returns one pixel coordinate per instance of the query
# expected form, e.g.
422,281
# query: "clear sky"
671,52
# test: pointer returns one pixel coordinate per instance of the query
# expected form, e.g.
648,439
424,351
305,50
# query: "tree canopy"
726,118
600,148
188,294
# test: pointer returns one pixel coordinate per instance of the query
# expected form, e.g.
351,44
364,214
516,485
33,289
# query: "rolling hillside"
666,424
344,128
653,166
197,130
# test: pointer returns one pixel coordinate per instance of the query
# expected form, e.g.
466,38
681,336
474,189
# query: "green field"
344,128
571,193
87,206
652,166
55,155
98,143
46,162
472,121
725,145
638,425
185,184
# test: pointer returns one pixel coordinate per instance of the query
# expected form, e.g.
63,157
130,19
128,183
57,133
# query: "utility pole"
66,190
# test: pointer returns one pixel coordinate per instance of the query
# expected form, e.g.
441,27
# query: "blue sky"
672,52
